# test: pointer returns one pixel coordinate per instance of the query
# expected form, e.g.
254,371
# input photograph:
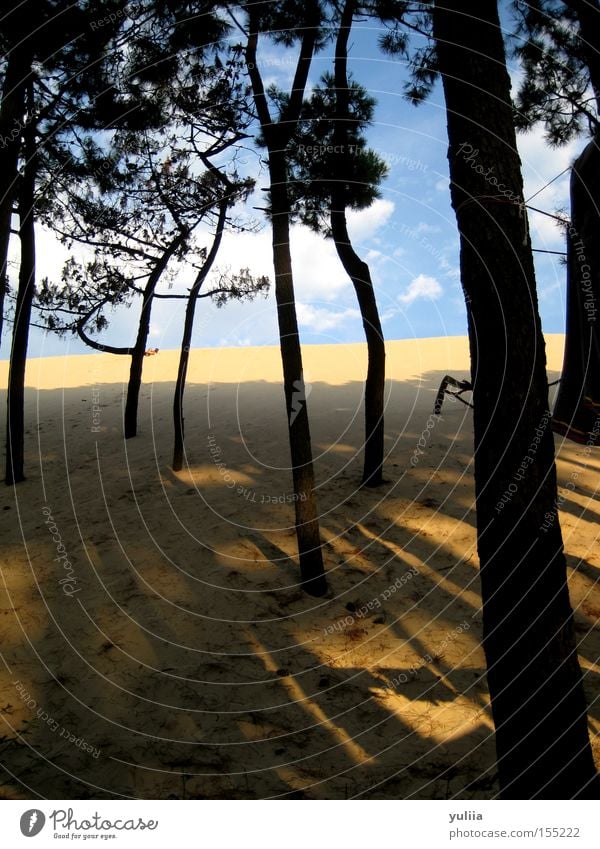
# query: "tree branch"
258,89
106,349
292,112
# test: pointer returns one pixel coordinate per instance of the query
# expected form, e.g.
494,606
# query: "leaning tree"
139,223
147,191
212,103
136,220
344,174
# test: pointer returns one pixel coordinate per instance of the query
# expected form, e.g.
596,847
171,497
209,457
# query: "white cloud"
247,250
51,255
318,272
364,223
421,287
319,319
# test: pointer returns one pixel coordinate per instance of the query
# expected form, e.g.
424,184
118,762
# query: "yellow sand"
178,657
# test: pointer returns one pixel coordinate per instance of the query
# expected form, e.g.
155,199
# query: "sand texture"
154,639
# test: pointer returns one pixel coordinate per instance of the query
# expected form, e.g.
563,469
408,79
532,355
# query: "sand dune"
155,642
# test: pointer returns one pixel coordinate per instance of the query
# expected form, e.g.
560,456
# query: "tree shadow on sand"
189,658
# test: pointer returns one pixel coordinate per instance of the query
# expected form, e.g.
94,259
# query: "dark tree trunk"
139,349
15,421
357,270
188,327
277,135
307,524
11,129
534,677
137,363
577,408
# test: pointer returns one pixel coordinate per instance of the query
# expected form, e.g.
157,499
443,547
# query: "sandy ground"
154,641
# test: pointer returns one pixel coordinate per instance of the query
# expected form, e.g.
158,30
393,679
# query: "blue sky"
408,237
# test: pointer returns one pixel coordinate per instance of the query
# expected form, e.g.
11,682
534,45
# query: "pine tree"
44,92
287,23
533,672
346,174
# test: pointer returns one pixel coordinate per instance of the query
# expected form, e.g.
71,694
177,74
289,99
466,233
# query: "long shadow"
189,659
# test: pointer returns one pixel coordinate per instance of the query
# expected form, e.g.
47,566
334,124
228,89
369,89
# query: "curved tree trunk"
139,349
188,327
15,423
534,677
357,270
577,408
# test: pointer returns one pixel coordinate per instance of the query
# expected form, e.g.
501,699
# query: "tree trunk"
11,127
184,356
577,408
307,524
139,349
137,363
358,271
15,421
276,136
534,677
